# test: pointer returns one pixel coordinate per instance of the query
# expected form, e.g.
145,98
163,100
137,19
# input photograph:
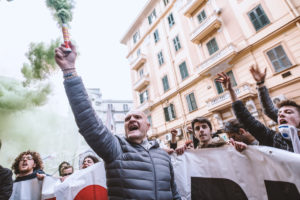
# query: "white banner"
259,173
27,190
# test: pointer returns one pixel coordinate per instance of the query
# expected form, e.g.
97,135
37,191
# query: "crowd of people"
137,168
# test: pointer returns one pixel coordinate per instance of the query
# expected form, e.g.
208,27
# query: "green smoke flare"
42,62
62,10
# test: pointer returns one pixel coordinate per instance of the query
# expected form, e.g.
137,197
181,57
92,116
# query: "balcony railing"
140,60
142,82
191,6
217,58
223,99
207,26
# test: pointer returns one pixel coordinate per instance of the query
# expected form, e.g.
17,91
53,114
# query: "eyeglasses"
27,158
63,175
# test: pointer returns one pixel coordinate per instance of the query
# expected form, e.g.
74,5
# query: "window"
183,70
152,17
138,52
191,102
160,58
171,20
258,18
156,36
165,83
201,16
143,96
176,43
166,2
141,72
169,112
149,120
212,46
136,37
219,86
279,59
125,107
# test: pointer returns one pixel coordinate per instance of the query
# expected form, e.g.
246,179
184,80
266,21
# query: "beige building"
177,47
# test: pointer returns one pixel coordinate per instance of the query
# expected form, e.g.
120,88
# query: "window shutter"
193,101
166,114
189,103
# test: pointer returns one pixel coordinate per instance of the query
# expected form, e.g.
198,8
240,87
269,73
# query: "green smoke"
14,96
62,10
42,62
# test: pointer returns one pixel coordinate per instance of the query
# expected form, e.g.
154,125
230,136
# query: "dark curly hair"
36,158
95,160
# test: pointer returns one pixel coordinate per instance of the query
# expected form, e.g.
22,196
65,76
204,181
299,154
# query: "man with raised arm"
263,93
135,167
288,114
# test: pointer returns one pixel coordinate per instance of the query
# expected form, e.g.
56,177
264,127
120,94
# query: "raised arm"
90,126
173,144
255,127
263,93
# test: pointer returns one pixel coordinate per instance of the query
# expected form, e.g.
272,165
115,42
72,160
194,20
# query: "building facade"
177,47
111,112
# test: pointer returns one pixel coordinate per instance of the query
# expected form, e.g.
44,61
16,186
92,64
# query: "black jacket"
263,134
267,104
30,176
6,183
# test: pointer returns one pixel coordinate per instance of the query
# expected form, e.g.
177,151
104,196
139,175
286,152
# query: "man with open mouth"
288,114
135,167
28,165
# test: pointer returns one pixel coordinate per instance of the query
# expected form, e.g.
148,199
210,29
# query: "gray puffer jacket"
132,171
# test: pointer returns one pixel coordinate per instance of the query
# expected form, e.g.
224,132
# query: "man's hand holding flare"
66,61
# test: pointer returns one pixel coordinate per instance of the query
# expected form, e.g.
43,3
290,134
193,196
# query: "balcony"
223,100
142,82
191,6
219,57
209,25
140,60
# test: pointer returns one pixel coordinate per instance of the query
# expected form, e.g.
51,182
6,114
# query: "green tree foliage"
42,62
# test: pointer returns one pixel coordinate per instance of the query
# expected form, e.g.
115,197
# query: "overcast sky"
97,27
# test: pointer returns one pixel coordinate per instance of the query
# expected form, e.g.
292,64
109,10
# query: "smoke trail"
14,96
62,10
42,62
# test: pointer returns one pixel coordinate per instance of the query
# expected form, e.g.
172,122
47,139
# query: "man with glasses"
28,165
66,172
